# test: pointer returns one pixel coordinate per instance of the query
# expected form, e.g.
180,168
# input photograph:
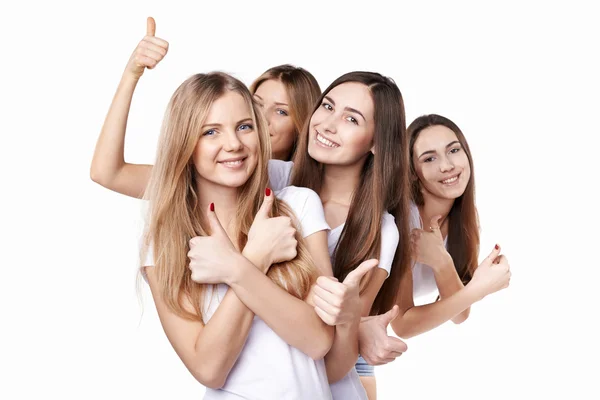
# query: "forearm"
344,351
448,283
223,337
292,319
420,319
225,334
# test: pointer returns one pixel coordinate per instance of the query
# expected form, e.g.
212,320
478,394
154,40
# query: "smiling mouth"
233,163
322,140
450,180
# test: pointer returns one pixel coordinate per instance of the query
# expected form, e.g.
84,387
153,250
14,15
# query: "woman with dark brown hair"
445,234
354,154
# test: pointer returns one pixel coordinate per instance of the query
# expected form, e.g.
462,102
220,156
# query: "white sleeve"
307,207
279,173
389,242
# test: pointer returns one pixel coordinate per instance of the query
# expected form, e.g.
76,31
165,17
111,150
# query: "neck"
433,206
340,182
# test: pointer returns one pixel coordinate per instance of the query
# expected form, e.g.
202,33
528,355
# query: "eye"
281,112
209,132
352,119
245,127
455,150
429,159
327,106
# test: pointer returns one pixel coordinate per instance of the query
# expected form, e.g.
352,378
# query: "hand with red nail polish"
492,275
270,240
213,258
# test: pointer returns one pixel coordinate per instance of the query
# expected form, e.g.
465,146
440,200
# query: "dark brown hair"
384,186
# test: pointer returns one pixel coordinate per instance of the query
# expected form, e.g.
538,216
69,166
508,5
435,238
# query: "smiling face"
226,153
273,98
440,162
341,130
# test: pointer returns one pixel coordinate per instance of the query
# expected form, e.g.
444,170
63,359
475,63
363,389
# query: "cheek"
361,142
427,173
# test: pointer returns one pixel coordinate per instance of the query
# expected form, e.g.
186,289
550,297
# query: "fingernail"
212,206
497,247
268,192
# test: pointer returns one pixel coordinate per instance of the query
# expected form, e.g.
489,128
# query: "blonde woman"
285,93
206,189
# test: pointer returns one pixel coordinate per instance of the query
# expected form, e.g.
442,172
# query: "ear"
372,150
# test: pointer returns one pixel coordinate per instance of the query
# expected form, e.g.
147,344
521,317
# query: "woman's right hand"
148,53
493,274
271,240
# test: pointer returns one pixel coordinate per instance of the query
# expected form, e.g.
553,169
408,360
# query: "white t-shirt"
349,387
424,283
269,368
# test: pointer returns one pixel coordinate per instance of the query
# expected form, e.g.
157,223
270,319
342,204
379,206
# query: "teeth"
232,163
450,180
325,141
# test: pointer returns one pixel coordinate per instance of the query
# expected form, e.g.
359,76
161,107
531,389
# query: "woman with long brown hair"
444,236
354,154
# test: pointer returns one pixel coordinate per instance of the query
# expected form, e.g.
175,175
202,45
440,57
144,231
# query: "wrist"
240,269
475,291
259,260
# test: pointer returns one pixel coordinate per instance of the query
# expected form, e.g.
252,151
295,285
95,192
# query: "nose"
329,124
446,165
232,142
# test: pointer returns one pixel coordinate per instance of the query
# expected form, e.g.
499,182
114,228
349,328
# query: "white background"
520,79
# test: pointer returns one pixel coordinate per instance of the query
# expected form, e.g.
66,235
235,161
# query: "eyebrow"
276,103
219,125
433,151
354,110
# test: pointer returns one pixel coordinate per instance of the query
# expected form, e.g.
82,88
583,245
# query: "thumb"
493,255
150,26
390,315
355,276
264,211
215,225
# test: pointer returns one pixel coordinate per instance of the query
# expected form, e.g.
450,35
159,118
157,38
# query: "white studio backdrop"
519,78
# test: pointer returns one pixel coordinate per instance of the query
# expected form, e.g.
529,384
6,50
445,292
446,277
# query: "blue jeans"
363,368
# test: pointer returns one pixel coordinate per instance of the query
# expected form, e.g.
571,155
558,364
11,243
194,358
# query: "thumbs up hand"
148,53
213,258
376,347
338,303
271,240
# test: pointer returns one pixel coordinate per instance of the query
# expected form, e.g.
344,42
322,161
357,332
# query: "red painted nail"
268,192
212,206
497,247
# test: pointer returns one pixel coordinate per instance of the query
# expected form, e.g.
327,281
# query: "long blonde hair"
175,215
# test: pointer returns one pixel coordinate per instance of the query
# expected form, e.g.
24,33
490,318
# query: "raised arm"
109,168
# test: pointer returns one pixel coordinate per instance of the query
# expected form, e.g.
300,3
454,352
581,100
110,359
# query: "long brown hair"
302,89
463,225
175,215
384,186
